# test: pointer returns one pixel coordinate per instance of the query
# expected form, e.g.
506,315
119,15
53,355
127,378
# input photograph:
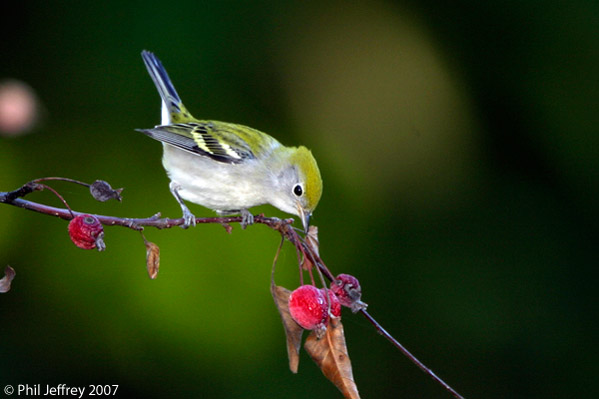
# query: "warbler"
227,167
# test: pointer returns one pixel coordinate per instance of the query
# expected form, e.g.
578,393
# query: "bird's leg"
188,218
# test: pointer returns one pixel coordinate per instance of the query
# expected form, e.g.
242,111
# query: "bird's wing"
220,141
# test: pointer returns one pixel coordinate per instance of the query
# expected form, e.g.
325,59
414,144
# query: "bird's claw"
246,218
189,218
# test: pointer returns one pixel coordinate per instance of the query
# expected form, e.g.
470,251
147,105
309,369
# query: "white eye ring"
298,190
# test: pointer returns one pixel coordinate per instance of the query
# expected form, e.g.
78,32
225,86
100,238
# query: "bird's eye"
298,190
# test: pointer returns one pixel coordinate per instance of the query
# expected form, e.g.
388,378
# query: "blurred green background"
459,148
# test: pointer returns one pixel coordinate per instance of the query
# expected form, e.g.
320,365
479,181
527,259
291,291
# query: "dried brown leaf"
7,279
293,331
312,244
152,259
312,239
307,264
330,354
228,228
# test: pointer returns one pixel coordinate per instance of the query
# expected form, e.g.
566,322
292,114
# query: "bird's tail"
173,110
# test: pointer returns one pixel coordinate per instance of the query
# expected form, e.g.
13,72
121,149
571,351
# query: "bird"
228,167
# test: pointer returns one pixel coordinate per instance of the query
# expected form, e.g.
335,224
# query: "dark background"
459,150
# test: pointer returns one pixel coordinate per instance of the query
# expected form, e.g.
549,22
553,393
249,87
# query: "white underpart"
217,185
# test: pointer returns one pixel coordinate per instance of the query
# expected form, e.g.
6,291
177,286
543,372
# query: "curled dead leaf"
228,228
152,259
312,243
312,239
9,275
293,331
330,354
307,264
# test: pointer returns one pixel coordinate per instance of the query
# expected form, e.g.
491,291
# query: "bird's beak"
305,218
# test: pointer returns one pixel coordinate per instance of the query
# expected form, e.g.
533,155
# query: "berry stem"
66,179
60,197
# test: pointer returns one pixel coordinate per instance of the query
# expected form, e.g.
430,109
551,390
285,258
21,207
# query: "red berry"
347,288
87,232
308,307
335,304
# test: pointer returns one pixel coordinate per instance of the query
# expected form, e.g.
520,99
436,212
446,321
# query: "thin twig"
409,355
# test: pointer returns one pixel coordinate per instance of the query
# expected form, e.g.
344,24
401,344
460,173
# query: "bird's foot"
246,218
189,218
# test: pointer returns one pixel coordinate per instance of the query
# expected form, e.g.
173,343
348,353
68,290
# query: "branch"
307,246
